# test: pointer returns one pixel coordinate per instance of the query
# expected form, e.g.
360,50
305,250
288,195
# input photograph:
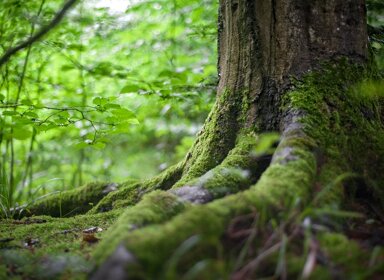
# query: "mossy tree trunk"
288,66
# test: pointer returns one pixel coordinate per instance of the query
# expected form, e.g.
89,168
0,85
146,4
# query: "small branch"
77,108
44,30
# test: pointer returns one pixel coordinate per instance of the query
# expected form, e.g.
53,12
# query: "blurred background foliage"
376,30
118,90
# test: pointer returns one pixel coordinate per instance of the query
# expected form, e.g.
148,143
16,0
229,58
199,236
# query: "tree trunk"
264,43
288,66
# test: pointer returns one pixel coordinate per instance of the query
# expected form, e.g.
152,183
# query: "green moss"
3,271
235,173
71,202
129,194
154,208
216,139
126,195
286,181
291,175
279,186
57,249
344,122
351,261
206,222
46,228
339,247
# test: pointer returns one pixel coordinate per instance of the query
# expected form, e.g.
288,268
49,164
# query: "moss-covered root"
217,137
240,169
344,119
155,207
69,203
279,188
130,194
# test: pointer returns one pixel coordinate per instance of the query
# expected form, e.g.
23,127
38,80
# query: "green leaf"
67,67
2,97
112,106
21,133
64,115
10,113
76,47
121,128
98,146
100,101
132,121
166,73
60,121
45,127
81,145
111,119
130,88
31,114
26,102
103,140
123,114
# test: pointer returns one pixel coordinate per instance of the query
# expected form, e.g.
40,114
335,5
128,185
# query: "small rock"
93,230
193,194
115,267
110,188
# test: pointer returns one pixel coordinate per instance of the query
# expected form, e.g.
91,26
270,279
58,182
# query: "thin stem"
29,162
20,86
12,172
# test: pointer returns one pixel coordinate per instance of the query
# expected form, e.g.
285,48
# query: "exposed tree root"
289,177
99,197
68,203
239,170
130,194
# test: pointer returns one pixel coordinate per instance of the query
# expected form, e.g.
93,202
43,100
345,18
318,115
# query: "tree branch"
44,30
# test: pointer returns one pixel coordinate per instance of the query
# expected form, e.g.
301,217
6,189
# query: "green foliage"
266,143
376,29
104,95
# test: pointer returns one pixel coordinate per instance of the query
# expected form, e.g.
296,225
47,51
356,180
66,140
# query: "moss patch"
348,260
237,172
217,137
345,123
154,208
130,193
43,247
71,202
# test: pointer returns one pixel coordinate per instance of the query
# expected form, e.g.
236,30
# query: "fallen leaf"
90,238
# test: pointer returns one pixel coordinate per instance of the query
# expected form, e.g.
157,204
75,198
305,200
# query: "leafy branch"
44,30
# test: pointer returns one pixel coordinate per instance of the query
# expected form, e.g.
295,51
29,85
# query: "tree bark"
264,43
